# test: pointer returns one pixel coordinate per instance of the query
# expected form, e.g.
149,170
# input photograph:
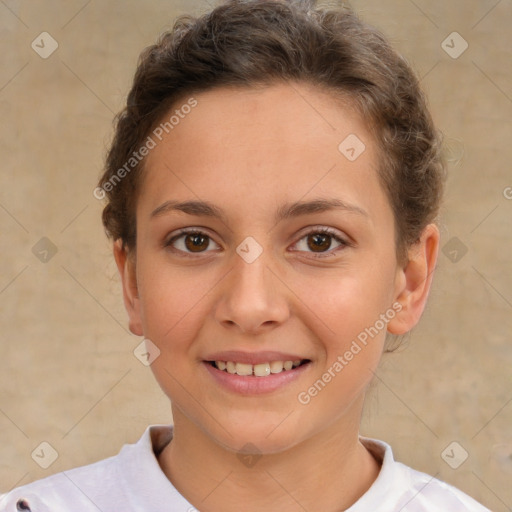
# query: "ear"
414,280
126,266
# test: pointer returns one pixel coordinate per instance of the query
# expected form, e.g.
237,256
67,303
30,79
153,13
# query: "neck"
329,471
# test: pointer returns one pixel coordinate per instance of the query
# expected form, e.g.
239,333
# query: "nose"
252,298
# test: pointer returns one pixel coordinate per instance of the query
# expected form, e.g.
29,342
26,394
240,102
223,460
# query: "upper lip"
253,357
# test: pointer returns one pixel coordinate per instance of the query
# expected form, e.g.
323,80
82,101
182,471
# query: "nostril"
22,505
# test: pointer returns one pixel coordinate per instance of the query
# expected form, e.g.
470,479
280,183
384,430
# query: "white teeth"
259,370
262,370
276,366
243,369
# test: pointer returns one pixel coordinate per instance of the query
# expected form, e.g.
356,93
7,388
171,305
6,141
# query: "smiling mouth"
257,370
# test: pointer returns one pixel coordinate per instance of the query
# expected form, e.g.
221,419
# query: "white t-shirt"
133,481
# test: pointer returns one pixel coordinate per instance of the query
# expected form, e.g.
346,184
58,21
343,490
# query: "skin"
250,151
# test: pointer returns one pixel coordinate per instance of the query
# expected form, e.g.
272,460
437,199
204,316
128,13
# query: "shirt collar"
160,492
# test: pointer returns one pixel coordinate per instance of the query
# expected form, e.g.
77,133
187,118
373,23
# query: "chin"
259,438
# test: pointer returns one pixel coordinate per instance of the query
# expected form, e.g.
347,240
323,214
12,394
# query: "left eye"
320,242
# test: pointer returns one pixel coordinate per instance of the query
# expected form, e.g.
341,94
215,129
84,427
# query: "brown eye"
322,243
319,242
196,242
191,242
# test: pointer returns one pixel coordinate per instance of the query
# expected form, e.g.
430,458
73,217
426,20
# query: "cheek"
172,302
349,318
344,305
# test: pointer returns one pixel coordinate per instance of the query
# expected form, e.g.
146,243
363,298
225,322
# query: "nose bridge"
251,297
251,281
252,276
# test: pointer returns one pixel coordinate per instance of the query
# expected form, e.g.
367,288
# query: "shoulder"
399,487
427,493
62,490
114,483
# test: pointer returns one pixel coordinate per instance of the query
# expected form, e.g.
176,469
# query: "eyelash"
317,231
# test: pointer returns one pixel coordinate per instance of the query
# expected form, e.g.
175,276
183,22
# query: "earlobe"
127,271
414,281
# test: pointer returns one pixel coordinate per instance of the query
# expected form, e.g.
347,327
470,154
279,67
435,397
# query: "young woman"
272,192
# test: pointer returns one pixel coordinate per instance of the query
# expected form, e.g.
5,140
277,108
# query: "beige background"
67,372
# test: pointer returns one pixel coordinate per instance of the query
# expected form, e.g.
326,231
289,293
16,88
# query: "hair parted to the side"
246,43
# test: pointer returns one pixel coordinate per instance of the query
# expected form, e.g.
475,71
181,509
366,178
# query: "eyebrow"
287,211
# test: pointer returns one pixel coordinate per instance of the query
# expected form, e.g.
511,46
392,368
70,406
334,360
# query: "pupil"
194,242
320,242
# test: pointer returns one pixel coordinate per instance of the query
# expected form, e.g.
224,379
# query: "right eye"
190,242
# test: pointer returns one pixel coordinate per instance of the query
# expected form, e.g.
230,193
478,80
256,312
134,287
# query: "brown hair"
253,42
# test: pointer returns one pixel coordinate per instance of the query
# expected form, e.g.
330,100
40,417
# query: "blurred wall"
68,375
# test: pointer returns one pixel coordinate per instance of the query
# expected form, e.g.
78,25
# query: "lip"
253,357
253,385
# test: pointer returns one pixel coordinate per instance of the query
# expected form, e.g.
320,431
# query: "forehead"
286,112
286,139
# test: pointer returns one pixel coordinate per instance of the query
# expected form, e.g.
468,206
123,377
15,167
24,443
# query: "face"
259,242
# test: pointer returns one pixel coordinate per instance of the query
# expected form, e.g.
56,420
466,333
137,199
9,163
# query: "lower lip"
252,385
